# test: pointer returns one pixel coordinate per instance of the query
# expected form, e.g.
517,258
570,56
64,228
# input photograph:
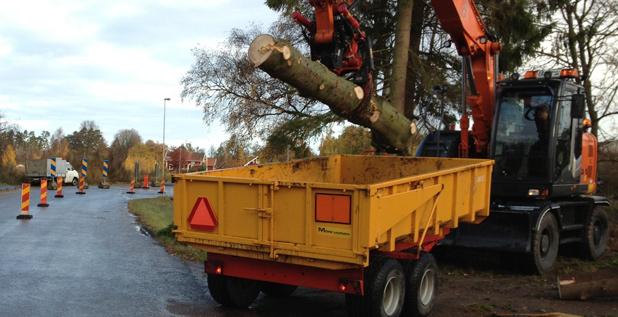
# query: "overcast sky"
112,61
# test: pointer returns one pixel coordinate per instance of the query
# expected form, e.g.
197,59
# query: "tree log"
586,285
312,79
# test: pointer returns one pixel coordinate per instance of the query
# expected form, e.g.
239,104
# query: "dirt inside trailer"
474,283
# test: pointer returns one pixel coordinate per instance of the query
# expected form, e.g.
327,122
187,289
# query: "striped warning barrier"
81,186
59,189
162,187
53,167
25,202
84,168
105,169
43,194
132,186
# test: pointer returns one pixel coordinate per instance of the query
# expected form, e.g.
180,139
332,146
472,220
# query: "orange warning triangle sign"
202,216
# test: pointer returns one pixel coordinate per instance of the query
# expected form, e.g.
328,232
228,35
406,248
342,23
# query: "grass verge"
157,216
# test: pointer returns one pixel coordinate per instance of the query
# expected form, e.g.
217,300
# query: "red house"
191,163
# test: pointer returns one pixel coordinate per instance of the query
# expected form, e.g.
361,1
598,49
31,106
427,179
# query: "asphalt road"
84,255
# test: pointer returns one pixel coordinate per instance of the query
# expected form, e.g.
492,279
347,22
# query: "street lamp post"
163,154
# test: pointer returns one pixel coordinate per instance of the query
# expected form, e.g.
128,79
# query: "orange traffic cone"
145,185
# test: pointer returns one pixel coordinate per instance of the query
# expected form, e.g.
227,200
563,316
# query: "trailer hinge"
262,212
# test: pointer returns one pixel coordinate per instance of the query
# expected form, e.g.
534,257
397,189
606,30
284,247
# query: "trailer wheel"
421,286
233,291
596,234
277,289
384,290
544,245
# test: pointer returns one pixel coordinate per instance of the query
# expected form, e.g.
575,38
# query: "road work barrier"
145,185
105,184
59,189
81,186
25,202
84,168
43,194
162,190
132,186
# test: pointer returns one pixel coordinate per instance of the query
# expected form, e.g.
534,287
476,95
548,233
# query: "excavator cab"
537,138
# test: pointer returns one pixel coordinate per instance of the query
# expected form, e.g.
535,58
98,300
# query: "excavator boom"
461,20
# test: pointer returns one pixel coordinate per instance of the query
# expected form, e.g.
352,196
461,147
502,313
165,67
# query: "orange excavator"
533,127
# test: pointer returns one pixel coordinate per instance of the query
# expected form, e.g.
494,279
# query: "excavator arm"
336,41
461,20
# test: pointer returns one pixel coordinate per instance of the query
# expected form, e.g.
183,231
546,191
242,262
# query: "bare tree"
586,38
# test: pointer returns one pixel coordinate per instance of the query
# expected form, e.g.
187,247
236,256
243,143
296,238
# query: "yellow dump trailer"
331,223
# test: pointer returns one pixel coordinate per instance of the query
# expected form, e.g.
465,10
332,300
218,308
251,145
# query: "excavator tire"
596,234
545,244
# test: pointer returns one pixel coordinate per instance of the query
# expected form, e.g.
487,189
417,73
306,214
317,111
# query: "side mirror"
578,106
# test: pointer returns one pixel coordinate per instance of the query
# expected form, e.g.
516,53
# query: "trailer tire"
277,289
384,290
421,286
233,291
596,234
545,243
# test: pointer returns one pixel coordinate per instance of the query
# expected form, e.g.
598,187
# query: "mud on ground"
475,283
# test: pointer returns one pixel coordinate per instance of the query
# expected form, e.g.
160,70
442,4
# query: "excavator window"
522,134
566,159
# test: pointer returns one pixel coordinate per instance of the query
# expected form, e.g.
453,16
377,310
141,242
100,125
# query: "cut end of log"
413,128
261,48
359,92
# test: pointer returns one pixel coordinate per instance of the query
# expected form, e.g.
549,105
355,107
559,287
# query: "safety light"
531,74
213,267
569,73
350,286
587,123
515,76
533,192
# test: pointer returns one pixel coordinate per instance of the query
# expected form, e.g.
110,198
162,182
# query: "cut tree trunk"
312,79
397,94
587,285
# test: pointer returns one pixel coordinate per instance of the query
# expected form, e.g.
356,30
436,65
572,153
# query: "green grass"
157,216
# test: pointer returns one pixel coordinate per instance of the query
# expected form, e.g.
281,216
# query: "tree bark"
586,285
312,79
414,64
400,57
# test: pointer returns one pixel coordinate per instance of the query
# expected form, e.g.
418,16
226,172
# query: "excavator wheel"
545,244
596,234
